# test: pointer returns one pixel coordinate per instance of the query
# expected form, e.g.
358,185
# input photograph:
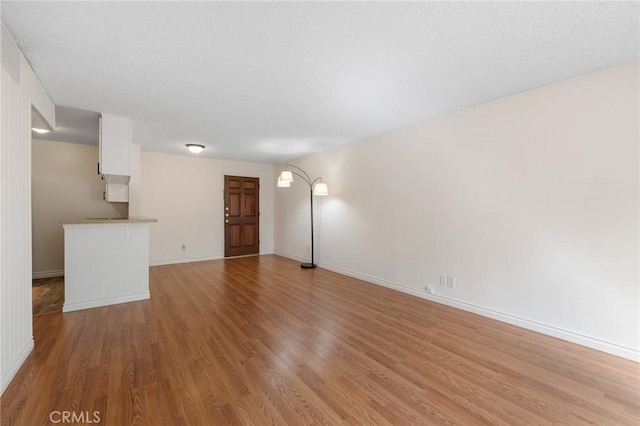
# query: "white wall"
65,187
185,194
134,181
530,201
18,96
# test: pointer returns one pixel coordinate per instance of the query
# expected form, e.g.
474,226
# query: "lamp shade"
195,148
283,183
286,176
320,188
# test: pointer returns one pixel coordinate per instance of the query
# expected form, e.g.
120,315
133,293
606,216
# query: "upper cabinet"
115,148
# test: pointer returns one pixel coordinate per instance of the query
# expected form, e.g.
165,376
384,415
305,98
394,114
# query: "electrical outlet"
429,289
308,249
451,281
443,279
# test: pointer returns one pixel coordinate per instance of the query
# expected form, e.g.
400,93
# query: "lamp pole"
311,184
312,264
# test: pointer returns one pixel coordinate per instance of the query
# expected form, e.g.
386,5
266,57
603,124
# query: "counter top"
97,220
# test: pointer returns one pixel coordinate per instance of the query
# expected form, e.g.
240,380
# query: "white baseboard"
298,258
570,336
193,259
70,307
15,366
183,260
48,274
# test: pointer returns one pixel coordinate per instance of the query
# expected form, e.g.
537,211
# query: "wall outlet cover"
451,281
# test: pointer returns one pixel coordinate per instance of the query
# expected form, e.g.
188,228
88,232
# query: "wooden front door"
241,216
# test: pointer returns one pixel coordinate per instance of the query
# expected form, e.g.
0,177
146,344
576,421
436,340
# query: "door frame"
222,209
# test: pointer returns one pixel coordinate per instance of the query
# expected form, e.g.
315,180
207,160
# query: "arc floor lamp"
316,187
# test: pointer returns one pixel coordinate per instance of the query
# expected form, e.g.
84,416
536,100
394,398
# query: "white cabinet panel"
116,192
105,264
115,145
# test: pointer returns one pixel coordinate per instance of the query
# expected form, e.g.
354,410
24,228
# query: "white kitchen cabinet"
115,148
116,192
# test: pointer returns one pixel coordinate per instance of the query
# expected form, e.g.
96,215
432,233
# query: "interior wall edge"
15,366
19,97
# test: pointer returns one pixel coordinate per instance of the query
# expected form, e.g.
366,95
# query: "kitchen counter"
106,262
93,220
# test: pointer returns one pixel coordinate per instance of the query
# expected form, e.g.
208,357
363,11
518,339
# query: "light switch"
127,234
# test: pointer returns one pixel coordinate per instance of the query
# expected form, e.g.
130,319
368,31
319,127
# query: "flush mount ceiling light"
195,148
41,131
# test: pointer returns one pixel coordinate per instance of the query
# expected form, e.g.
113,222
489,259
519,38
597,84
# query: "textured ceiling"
264,81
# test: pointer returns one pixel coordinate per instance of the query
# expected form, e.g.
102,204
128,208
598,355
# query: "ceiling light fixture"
41,131
195,148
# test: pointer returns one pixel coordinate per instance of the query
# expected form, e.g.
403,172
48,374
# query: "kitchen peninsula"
106,262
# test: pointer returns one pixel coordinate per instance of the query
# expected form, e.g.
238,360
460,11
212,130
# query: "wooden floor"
259,341
47,295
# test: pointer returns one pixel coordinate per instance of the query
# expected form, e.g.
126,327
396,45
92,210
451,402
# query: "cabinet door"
116,192
115,145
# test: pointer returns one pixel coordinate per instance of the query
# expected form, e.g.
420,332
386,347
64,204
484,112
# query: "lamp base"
308,265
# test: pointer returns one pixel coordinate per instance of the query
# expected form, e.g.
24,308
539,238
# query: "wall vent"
10,55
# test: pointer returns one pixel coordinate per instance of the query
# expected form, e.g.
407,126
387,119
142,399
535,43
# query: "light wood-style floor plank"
260,341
